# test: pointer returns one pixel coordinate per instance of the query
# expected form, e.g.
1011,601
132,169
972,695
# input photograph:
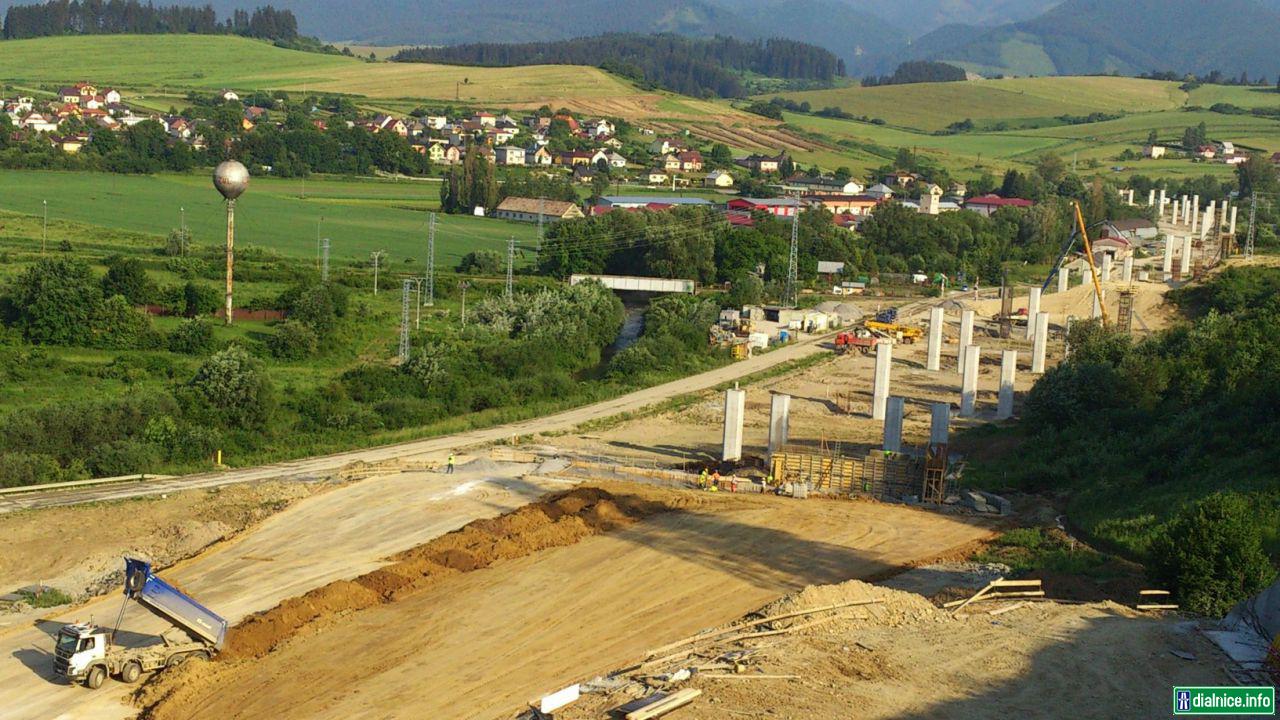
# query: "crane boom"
1093,269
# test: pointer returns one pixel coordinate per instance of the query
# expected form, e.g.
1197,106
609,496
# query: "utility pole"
44,234
463,285
324,260
511,259
1253,217
417,322
182,231
431,260
405,291
791,299
318,221
376,256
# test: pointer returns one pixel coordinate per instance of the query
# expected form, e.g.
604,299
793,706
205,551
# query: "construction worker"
449,471
702,479
715,480
733,483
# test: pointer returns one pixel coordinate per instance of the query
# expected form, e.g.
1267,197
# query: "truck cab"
81,648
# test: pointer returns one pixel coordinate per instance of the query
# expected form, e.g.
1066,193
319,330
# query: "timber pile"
1000,589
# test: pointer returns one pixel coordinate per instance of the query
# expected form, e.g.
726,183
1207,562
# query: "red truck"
847,341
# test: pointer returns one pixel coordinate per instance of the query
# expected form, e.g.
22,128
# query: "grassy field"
359,216
215,62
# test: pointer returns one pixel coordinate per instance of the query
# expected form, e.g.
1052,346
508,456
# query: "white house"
1154,151
509,155
616,160
37,122
718,179
880,191
229,96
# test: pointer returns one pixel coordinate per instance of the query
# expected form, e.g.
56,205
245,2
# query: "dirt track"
479,644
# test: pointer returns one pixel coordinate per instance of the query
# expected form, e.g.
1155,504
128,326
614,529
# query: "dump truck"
87,653
848,341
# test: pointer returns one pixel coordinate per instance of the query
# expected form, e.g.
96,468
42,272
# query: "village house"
636,202
599,128
229,96
718,179
1155,152
484,119
665,146
610,141
599,156
880,191
822,184
690,161
509,155
671,163
762,163
1206,151
521,209
37,122
449,155
988,204
568,120
1134,230
537,155
616,161
70,144
657,176
574,157
901,178
780,207
537,122
387,123
584,174
845,204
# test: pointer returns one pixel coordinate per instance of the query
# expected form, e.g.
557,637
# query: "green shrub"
1210,554
118,325
54,301
19,469
123,457
192,337
482,262
292,340
49,597
233,388
126,276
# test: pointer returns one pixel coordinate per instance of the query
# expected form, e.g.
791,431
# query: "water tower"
231,179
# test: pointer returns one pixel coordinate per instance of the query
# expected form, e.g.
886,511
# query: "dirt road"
338,534
320,466
480,644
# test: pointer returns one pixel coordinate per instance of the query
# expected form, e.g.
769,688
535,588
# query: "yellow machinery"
906,334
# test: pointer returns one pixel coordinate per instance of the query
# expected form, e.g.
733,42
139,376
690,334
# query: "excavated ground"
477,622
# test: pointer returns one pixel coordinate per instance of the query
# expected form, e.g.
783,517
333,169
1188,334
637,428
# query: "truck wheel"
96,676
175,660
130,672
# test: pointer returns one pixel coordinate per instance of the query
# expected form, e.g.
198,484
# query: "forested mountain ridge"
692,66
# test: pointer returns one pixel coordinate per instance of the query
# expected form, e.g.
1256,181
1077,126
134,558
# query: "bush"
482,262
1211,554
192,337
232,385
126,276
123,457
54,301
19,469
117,325
200,299
292,340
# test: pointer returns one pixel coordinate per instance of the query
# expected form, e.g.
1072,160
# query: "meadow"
359,216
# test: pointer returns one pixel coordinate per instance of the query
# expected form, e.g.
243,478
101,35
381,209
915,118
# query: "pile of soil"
559,520
895,609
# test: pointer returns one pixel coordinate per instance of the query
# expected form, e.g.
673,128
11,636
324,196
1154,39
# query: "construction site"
789,542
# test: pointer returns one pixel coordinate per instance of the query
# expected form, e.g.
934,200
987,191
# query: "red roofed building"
988,204
781,207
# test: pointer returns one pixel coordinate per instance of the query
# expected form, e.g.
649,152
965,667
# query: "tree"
293,340
599,186
746,290
482,262
233,387
117,325
127,277
54,301
1211,554
1051,167
720,154
1257,174
1152,137
192,337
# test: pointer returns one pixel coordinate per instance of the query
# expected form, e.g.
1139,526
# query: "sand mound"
896,608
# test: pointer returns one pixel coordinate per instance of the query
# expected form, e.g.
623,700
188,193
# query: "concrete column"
1208,222
1064,282
1151,197
880,392
1195,212
1008,371
1041,343
966,338
937,317
1126,270
735,409
939,423
1162,201
1167,268
1186,258
779,421
895,409
1067,333
1033,307
969,386
1222,217
1211,215
1233,220
1096,311
1106,267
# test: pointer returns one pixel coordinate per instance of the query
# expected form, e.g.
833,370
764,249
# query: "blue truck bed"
172,604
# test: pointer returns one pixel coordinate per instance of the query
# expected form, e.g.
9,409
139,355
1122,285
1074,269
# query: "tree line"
101,17
917,71
700,67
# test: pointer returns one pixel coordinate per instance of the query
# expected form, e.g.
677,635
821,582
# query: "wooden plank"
793,628
675,700
1153,592
1004,610
1020,593
1016,583
977,595
1157,607
749,677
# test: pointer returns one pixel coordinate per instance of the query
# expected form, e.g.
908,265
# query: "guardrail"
72,484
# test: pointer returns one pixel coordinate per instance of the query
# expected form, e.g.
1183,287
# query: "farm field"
359,216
